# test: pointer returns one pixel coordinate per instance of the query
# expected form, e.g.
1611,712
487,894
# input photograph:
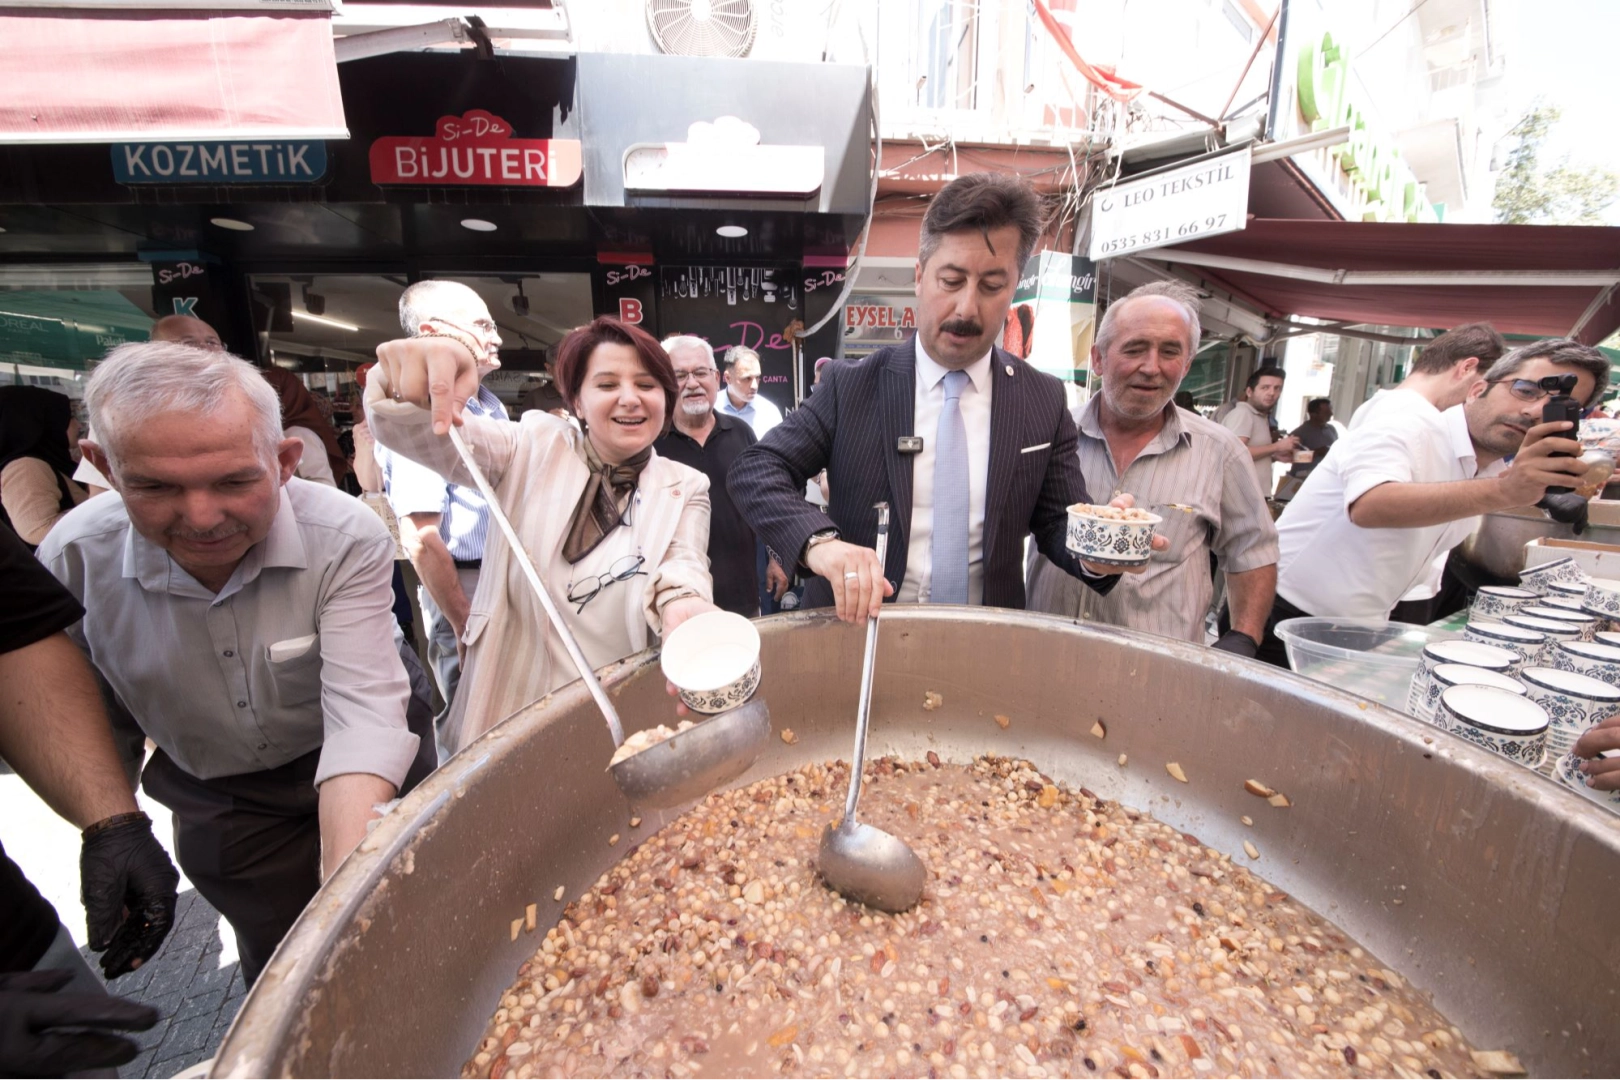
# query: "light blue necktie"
949,583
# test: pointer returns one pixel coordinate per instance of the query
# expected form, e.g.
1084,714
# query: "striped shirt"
416,489
1193,462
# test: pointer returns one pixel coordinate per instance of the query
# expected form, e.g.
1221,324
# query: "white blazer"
538,474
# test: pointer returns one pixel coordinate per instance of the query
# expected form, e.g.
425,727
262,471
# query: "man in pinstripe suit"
971,448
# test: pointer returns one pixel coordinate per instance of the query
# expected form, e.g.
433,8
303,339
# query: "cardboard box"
1595,560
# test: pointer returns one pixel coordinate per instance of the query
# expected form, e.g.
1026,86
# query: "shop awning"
111,74
1546,280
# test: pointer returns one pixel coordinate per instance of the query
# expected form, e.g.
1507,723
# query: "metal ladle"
683,767
865,863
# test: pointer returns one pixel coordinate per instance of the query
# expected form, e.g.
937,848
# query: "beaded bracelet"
113,822
460,339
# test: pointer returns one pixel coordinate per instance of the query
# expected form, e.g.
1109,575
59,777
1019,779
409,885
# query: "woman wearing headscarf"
37,428
618,534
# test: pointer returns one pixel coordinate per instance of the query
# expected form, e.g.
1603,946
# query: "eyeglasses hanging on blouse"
583,592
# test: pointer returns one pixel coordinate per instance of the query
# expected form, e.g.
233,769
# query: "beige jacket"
537,472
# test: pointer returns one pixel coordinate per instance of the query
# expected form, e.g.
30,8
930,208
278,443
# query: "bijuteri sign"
476,148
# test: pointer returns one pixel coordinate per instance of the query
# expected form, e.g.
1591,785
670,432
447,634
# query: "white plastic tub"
1373,658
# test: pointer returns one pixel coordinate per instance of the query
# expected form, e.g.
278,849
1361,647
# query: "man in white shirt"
1442,373
1250,419
1397,492
971,448
742,397
242,618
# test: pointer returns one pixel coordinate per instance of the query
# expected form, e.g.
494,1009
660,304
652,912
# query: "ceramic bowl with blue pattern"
1568,773
713,660
1109,536
1573,702
1502,722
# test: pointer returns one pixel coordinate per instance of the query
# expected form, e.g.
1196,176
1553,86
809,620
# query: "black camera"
1561,406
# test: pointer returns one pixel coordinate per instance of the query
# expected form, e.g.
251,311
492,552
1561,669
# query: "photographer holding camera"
1399,491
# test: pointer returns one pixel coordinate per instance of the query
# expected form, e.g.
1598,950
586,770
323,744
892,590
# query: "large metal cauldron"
1484,884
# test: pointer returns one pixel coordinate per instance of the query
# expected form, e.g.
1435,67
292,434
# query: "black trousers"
251,843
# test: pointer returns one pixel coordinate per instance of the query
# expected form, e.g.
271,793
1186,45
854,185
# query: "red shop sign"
475,148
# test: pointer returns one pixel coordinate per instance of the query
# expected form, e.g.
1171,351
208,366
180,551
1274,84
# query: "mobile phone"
1561,406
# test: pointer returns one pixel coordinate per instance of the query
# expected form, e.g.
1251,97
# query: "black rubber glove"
43,1031
128,886
1237,643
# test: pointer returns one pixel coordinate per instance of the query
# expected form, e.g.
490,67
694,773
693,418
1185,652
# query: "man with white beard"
709,441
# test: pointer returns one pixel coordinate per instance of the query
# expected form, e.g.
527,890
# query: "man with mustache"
1133,438
1399,490
972,449
709,441
242,618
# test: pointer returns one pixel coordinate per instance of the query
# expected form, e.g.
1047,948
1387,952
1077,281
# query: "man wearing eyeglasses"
1404,488
443,526
742,397
708,440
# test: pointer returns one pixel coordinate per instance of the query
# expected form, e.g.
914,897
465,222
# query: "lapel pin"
909,444
676,493
1009,369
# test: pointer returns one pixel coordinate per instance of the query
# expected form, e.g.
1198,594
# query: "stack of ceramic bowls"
1498,720
1568,772
1445,676
1539,579
1526,643
1585,625
1602,601
1420,701
1565,590
1573,702
1607,637
1492,602
1575,604
1554,630
1592,658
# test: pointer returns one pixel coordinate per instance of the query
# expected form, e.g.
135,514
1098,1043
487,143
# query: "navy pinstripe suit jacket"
850,425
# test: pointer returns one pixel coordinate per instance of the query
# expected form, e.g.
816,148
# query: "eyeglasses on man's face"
700,375
1531,391
583,592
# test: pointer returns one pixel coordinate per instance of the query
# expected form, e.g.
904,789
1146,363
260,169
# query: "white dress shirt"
1386,403
296,653
929,402
760,414
1331,567
1391,401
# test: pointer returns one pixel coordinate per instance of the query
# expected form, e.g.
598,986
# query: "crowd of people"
223,628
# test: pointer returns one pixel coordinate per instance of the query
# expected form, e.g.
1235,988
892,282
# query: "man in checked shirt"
1192,472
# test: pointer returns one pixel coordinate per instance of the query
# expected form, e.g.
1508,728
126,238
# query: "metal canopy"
1545,280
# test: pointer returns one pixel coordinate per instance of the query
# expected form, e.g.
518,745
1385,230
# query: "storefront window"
57,322
323,327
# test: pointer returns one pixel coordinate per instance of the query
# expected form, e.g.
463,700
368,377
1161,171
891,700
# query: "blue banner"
270,162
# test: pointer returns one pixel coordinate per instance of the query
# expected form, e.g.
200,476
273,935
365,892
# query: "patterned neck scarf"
602,504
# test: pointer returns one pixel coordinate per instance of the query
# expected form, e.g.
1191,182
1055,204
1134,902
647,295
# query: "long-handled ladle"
685,766
862,862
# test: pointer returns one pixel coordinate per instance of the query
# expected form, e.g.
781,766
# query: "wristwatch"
816,538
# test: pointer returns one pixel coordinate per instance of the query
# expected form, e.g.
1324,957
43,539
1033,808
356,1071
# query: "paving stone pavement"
193,982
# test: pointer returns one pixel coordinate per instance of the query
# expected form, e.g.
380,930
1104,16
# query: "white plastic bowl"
1374,658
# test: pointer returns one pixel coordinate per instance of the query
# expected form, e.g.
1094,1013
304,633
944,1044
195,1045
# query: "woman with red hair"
618,534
